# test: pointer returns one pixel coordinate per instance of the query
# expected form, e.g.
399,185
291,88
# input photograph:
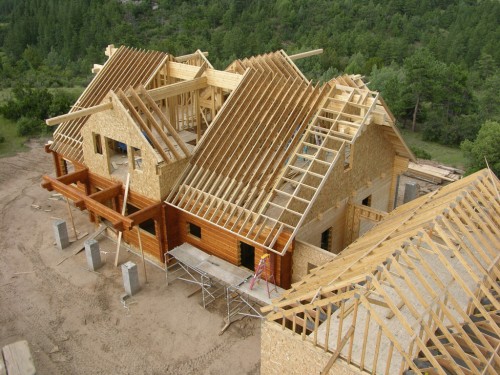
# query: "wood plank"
78,114
178,88
18,359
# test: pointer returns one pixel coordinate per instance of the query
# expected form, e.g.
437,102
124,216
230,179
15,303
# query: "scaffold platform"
217,277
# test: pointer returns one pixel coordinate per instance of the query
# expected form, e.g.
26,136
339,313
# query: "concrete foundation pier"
93,254
61,234
130,278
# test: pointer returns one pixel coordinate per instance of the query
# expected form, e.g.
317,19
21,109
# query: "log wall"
222,244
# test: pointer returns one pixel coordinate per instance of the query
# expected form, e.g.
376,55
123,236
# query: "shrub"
420,153
29,126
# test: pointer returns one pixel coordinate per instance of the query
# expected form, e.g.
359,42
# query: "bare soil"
74,319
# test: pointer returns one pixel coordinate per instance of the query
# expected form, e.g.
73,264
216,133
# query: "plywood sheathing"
306,257
118,125
427,266
126,67
285,353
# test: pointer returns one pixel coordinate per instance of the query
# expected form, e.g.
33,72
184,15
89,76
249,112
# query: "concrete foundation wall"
305,254
285,353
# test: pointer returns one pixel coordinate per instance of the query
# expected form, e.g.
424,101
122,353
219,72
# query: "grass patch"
451,156
13,143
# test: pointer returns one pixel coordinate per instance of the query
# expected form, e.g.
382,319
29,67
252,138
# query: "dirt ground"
74,319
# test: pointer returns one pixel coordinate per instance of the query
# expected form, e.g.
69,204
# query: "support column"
61,234
130,278
93,254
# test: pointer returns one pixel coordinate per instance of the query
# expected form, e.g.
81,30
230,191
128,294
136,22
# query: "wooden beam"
124,208
155,125
223,80
164,120
119,221
145,214
190,56
178,88
79,113
303,55
102,196
216,78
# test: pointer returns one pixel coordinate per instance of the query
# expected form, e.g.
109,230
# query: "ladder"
261,267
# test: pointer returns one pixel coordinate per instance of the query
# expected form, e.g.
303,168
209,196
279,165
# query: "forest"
436,63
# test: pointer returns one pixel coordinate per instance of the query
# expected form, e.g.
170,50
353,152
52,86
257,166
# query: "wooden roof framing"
126,67
381,116
420,291
267,155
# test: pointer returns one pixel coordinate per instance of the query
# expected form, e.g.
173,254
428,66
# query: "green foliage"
435,63
420,153
485,146
13,142
31,106
2,138
30,126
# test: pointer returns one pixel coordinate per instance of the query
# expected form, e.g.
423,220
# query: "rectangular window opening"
247,256
136,159
148,226
97,143
194,230
326,239
347,156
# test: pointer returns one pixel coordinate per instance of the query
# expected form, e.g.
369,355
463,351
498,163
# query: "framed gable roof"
126,67
268,153
420,291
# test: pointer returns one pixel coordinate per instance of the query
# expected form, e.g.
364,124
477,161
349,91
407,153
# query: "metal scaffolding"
216,278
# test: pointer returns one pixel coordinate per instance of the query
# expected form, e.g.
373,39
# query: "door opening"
247,256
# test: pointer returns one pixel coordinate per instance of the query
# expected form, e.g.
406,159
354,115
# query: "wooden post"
124,207
142,252
71,218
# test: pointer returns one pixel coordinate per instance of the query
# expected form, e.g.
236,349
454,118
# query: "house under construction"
257,162
248,161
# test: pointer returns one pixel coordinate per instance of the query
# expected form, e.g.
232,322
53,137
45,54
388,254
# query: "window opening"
326,239
97,143
367,201
194,230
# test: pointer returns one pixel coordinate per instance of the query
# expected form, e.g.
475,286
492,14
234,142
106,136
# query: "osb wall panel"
218,242
372,156
304,253
116,124
365,225
333,218
285,353
379,189
169,173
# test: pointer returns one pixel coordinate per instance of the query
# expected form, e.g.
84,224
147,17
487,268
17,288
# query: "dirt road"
74,320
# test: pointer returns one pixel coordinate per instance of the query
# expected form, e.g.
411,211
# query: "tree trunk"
414,123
